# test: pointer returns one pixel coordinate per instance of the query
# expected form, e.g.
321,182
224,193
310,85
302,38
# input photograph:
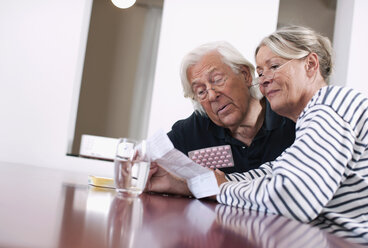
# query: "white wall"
357,62
342,40
350,42
41,56
187,24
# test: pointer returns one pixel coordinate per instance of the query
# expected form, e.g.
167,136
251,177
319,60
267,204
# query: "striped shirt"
323,177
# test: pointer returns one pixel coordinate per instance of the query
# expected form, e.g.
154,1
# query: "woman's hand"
220,177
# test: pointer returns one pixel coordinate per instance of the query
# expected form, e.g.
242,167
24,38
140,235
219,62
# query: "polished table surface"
51,208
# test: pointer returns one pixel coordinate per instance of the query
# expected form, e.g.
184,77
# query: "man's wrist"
180,187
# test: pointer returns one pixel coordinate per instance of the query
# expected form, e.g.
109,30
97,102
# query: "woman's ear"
312,64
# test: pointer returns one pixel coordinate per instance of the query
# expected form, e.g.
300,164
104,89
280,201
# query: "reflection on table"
49,208
168,221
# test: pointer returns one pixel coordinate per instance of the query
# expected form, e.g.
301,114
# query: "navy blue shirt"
196,132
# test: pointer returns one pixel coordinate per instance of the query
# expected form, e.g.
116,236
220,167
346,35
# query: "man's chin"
228,122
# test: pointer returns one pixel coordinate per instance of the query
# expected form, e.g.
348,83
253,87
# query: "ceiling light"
123,4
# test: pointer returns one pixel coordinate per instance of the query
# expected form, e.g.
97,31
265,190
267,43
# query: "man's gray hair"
230,56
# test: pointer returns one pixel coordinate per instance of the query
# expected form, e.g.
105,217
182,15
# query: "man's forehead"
206,66
207,72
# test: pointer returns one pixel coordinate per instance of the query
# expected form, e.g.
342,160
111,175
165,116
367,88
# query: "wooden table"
49,208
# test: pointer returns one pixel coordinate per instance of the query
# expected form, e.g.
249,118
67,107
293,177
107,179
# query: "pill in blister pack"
213,157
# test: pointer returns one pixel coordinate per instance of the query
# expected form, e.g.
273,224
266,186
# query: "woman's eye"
274,67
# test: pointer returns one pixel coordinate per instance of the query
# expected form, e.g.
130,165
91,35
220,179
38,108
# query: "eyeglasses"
201,91
270,74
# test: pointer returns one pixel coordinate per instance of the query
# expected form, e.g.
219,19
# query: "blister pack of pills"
213,157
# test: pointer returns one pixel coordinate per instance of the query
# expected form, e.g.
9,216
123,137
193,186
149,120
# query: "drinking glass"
131,166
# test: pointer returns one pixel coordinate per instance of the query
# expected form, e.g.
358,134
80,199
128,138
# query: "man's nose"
212,94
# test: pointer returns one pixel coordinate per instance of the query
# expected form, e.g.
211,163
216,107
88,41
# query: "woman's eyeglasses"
269,74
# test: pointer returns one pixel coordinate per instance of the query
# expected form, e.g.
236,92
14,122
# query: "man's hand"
160,181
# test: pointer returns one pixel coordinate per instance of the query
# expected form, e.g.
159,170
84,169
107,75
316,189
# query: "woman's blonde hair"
296,42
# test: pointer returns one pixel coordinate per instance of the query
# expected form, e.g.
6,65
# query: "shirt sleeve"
305,177
262,171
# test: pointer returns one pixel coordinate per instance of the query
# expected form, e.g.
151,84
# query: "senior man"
228,109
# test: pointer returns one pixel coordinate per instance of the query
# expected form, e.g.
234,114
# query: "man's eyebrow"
193,84
211,70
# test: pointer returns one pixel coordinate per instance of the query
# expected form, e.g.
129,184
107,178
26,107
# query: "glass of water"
131,166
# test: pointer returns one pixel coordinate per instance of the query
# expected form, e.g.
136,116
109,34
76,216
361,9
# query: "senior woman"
322,178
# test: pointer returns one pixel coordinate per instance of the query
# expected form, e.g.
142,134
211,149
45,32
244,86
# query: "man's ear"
246,73
312,64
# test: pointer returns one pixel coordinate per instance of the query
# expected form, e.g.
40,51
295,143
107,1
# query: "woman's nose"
265,83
